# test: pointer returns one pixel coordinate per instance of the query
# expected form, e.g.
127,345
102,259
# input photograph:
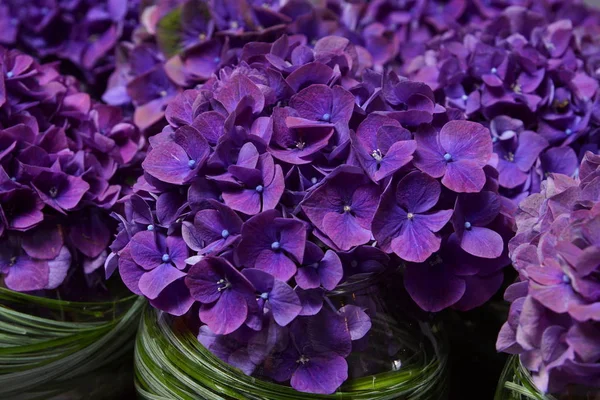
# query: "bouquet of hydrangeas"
295,171
554,317
528,76
81,32
61,169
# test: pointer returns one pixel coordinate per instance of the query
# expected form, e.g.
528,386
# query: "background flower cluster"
554,320
61,159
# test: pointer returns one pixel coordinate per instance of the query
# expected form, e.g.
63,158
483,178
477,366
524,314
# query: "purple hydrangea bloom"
554,313
63,163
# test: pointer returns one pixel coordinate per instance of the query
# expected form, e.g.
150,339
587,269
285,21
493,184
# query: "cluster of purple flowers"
281,178
59,155
554,319
531,76
83,32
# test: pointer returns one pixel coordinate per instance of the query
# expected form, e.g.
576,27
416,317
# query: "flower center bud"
566,279
447,157
494,70
224,233
191,163
53,192
326,117
234,25
347,208
275,245
568,131
302,359
510,157
494,139
150,227
166,257
376,154
223,285
516,88
12,261
202,36
217,60
10,74
313,180
259,188
465,97
410,216
467,225
264,296
163,93
300,145
13,178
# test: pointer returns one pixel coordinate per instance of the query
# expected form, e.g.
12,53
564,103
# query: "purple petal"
321,375
433,287
153,282
357,320
284,302
227,314
144,250
482,242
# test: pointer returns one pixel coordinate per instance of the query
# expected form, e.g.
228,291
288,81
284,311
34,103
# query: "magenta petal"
464,176
357,321
227,314
321,375
153,282
433,287
276,264
330,270
482,242
415,242
285,303
417,192
144,250
169,163
344,230
27,275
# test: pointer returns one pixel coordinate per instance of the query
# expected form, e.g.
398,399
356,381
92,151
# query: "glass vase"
401,358
516,384
66,350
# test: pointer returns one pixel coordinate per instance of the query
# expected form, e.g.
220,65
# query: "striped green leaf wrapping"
516,384
170,363
51,348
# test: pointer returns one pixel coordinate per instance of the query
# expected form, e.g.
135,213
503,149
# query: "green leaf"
168,33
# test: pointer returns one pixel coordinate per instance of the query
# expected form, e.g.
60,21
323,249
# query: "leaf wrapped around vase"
290,174
64,161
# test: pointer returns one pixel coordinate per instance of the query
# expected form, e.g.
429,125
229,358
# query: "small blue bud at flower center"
313,180
166,258
10,74
13,179
302,360
347,208
53,192
163,93
467,225
150,227
225,233
259,188
217,59
234,25
494,139
494,70
326,117
568,131
191,163
275,246
465,97
410,216
566,279
447,157
264,296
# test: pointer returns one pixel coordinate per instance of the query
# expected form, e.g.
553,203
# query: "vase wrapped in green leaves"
398,358
64,162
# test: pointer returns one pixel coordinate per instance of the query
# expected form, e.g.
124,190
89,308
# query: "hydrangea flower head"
62,168
554,315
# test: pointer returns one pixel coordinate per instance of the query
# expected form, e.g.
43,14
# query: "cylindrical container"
516,384
399,358
66,350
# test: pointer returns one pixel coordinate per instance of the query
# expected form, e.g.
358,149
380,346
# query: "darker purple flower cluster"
59,155
82,32
297,170
530,75
554,320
